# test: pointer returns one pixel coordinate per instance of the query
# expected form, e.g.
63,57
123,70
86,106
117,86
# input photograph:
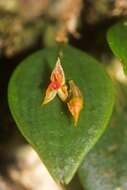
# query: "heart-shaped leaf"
105,167
117,39
50,128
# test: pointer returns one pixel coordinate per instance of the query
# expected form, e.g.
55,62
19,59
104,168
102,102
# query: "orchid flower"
57,84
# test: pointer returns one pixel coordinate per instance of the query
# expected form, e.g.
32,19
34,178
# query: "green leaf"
117,39
50,128
105,167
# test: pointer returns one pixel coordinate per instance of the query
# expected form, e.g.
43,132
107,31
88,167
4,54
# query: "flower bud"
75,101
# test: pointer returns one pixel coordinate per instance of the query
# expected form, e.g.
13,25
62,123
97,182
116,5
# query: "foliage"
105,166
50,129
117,36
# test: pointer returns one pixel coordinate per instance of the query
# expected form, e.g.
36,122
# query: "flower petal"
58,73
63,93
50,94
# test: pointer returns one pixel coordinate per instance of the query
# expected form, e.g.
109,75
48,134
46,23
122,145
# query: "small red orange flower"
57,84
